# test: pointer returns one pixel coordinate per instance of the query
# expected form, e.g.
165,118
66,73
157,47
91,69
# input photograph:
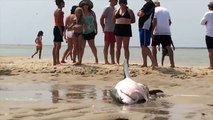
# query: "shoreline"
34,89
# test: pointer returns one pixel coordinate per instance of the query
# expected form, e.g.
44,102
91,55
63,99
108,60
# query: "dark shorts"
155,42
124,30
57,36
145,36
164,40
109,37
209,42
90,36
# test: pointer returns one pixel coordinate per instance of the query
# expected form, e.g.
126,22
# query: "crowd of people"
154,29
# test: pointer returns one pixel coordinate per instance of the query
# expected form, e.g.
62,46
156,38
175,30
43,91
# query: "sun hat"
86,2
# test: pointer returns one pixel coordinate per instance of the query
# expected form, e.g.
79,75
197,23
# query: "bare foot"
63,62
78,63
144,66
172,66
210,68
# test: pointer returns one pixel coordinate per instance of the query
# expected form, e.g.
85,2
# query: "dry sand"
32,89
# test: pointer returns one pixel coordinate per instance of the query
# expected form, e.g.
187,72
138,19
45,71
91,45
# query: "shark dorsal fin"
126,69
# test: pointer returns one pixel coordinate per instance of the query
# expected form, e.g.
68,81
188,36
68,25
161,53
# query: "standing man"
207,20
58,30
145,30
108,28
162,33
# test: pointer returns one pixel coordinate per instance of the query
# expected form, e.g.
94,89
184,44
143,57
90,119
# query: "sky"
20,20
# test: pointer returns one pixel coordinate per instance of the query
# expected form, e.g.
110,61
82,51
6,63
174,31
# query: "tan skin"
78,28
120,39
57,45
108,44
68,52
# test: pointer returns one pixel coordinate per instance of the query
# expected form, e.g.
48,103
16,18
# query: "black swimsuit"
123,29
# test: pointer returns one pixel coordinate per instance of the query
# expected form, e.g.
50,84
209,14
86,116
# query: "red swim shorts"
109,36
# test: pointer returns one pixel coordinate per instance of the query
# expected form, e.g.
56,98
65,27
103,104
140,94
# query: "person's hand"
173,48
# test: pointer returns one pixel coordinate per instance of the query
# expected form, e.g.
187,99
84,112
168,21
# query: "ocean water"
183,56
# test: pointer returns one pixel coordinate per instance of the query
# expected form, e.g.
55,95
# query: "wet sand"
32,89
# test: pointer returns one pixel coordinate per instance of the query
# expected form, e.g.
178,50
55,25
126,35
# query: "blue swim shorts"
145,36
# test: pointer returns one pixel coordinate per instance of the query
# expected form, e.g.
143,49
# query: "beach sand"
32,89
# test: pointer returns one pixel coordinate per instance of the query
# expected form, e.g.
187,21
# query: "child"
165,52
38,42
77,26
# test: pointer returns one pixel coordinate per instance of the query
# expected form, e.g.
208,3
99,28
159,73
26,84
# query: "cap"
210,4
86,2
157,2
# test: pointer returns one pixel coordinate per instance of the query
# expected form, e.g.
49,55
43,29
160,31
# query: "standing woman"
123,18
207,20
90,28
58,31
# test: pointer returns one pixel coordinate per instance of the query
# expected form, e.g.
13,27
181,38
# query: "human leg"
209,44
126,48
81,48
145,36
35,53
154,53
76,49
57,52
105,51
171,56
94,49
40,51
70,47
112,52
54,54
210,51
118,48
66,52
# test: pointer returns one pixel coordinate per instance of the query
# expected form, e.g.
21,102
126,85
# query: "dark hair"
40,33
73,9
58,2
122,1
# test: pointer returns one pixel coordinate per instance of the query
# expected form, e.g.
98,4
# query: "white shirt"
162,16
207,20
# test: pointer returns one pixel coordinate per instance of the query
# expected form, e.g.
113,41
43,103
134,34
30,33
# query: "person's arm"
60,14
95,22
204,20
132,16
140,13
102,19
113,16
